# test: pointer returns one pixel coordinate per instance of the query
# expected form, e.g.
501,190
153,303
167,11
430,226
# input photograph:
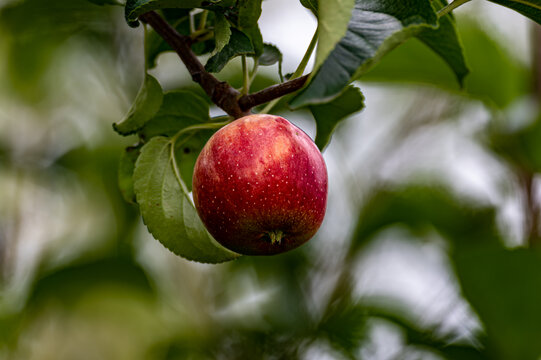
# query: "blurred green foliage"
34,32
496,76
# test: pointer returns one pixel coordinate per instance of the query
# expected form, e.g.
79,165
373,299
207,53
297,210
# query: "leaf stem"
267,109
253,73
145,46
299,71
307,54
201,35
177,171
203,21
205,126
172,143
192,22
245,77
447,9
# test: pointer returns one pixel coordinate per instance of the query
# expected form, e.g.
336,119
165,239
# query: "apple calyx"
275,236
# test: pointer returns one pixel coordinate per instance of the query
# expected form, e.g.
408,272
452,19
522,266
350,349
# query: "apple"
260,185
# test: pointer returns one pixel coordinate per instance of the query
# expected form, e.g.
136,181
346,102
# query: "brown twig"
536,61
272,92
221,93
532,210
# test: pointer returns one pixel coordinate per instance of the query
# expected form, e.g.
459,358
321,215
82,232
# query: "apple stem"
276,236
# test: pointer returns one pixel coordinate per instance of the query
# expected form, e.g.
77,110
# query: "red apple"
260,186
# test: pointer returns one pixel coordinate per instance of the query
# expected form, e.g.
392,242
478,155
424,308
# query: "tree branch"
536,61
220,92
533,206
272,92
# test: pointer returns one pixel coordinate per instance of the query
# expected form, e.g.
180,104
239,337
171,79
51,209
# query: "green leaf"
444,41
68,283
10,325
104,2
504,287
254,33
311,5
204,43
166,208
270,56
334,16
180,108
486,57
136,8
345,327
249,13
244,16
528,8
222,32
186,152
520,147
417,336
419,65
34,34
421,207
330,114
125,172
462,352
146,105
415,63
51,18
375,28
239,44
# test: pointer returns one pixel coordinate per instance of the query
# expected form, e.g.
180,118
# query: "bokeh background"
428,249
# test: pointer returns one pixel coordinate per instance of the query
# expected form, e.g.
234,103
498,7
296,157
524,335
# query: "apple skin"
260,186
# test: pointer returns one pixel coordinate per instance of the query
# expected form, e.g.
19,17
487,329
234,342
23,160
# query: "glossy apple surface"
260,186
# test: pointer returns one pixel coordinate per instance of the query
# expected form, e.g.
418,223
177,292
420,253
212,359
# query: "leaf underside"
147,103
444,41
374,29
328,115
167,210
